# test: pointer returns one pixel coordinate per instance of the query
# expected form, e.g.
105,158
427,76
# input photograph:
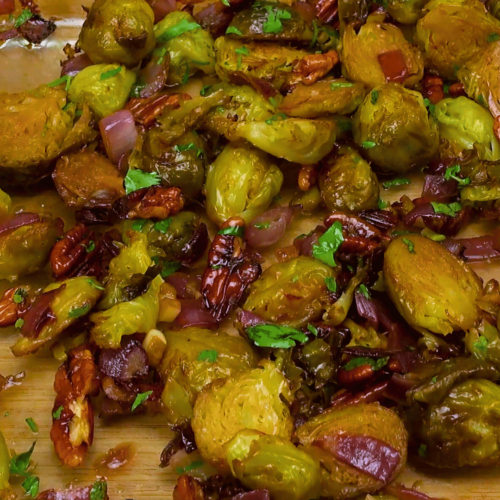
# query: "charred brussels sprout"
493,7
379,53
252,399
104,87
466,125
464,428
193,359
406,11
25,248
394,129
431,288
190,51
118,32
5,489
35,128
291,293
453,32
5,204
347,182
273,463
372,428
60,305
242,181
323,98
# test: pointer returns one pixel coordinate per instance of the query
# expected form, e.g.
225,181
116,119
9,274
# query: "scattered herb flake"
19,323
312,329
276,336
341,85
139,224
137,179
295,279
163,225
99,490
78,312
204,90
383,204
111,73
20,463
66,79
90,247
273,23
193,465
277,117
364,291
481,100
331,284
208,355
273,102
450,209
409,244
422,450
374,96
395,182
451,173
493,37
170,268
231,30
434,379
481,344
32,425
226,3
174,31
180,148
233,231
23,17
57,414
329,243
357,362
140,398
243,51
19,295
31,485
368,144
262,225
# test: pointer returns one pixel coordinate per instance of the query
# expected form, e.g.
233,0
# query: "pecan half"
308,177
314,66
432,88
327,10
230,271
73,416
10,311
457,90
188,488
145,111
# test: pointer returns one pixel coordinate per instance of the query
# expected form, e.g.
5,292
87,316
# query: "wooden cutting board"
21,69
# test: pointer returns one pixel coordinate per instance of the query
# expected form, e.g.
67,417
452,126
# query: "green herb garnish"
138,179
368,144
31,486
328,244
279,337
32,425
56,415
422,450
111,73
331,284
140,398
357,362
204,91
66,79
170,268
78,312
383,204
312,329
277,117
493,37
409,244
395,182
450,209
451,173
341,85
163,225
19,296
193,465
23,17
262,225
231,30
364,291
90,247
19,323
20,463
99,490
374,96
139,224
233,231
273,23
210,356
174,31
481,344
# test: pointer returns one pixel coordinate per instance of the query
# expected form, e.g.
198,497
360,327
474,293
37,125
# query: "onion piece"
437,188
277,218
8,34
125,363
19,220
153,76
403,493
73,66
7,7
252,495
367,309
118,134
193,314
161,8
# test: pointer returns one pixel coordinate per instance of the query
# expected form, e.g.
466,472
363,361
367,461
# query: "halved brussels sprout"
5,204
291,293
118,32
466,125
323,98
5,489
453,32
379,53
193,359
393,127
35,128
369,427
431,288
252,399
274,464
347,182
242,181
190,51
104,87
406,11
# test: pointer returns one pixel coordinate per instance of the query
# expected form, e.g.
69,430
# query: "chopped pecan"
457,90
75,493
355,376
308,177
73,416
327,10
188,488
10,310
146,111
314,66
154,202
230,271
432,88
76,254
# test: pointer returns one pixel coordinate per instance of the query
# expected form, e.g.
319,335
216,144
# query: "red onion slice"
437,188
153,76
118,134
252,495
125,363
403,493
277,219
193,314
161,8
8,34
19,220
7,7
480,248
73,66
367,309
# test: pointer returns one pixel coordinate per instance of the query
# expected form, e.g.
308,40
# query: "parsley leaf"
451,173
139,224
78,312
204,91
233,231
262,225
193,465
231,30
368,144
140,398
383,204
395,182
180,148
57,414
64,79
138,179
481,344
295,279
242,51
170,268
163,225
31,485
428,104
450,209
273,23
208,355
174,31
331,284
20,463
32,425
277,336
19,296
329,243
341,85
493,37
226,3
409,244
374,96
110,73
277,117
364,291
357,362
23,17
94,284
312,329
90,247
19,323
99,490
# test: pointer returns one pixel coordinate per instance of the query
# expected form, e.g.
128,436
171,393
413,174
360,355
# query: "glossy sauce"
116,458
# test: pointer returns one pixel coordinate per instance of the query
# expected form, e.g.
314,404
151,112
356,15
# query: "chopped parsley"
233,231
481,344
450,209
78,312
451,173
357,362
139,224
140,398
374,96
19,323
428,104
31,485
163,225
396,182
273,23
160,53
409,244
174,31
226,3
90,247
99,490
94,284
25,15
66,79
341,85
138,179
493,37
32,425
383,204
434,379
276,336
312,329
368,144
262,225
364,291
170,268
331,284
204,91
481,100
231,30
180,148
193,465
56,415
19,296
208,355
329,243
277,117
20,463
243,51
111,73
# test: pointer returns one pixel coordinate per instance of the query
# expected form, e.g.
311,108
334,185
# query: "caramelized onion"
7,7
193,314
126,363
161,8
277,219
19,220
73,66
118,134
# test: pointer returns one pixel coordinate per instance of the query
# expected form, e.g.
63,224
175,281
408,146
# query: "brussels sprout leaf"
32,425
233,231
329,243
395,182
163,225
234,31
279,337
481,344
429,233
451,173
111,73
20,463
23,17
99,490
180,28
357,362
57,414
450,209
140,398
137,179
409,244
31,486
331,284
208,355
364,291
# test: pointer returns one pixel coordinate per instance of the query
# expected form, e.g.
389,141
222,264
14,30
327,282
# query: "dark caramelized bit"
126,363
36,29
146,110
188,488
327,10
114,459
432,87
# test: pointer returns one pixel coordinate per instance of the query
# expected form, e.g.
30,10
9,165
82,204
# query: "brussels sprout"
101,185
35,128
406,11
467,126
5,204
323,98
271,21
356,11
379,53
26,249
5,489
242,181
464,429
118,32
274,464
194,358
493,7
453,32
346,182
60,305
321,435
395,129
291,293
104,87
251,399
294,139
267,61
136,316
431,288
190,51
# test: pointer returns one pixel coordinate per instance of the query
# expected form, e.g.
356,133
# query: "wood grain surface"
23,68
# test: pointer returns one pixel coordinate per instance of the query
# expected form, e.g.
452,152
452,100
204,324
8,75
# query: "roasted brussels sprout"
431,288
5,489
242,181
273,463
193,359
292,293
332,437
99,187
25,244
118,32
463,429
35,128
252,399
347,182
394,128
379,53
126,318
104,87
5,204
406,11
190,51
60,305
323,98
453,32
